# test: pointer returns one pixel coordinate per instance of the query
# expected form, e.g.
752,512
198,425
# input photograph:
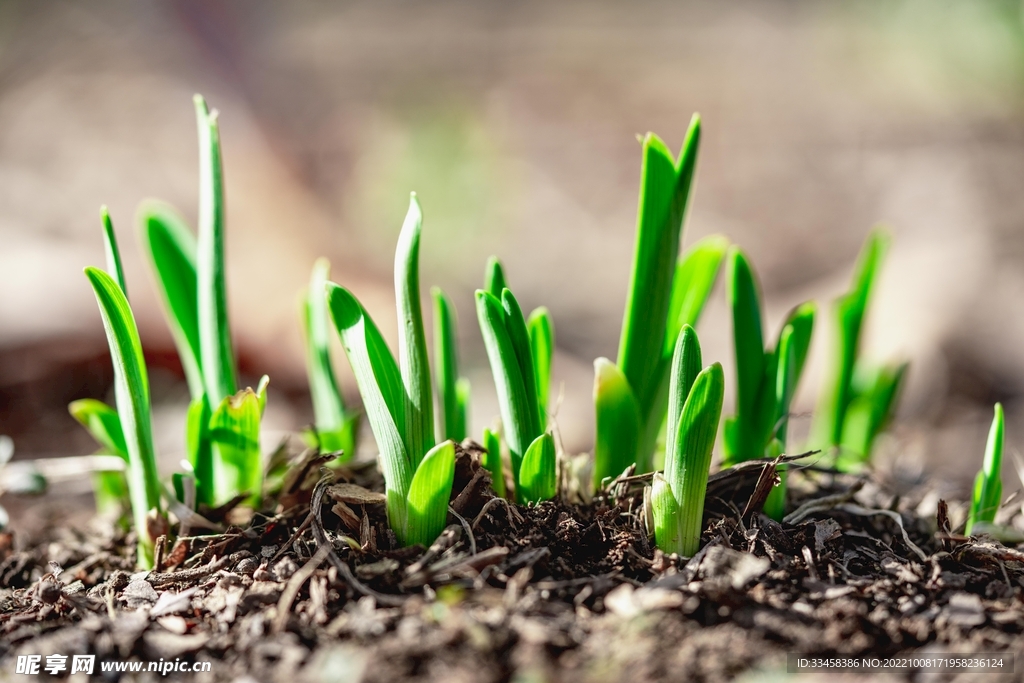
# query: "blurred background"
517,123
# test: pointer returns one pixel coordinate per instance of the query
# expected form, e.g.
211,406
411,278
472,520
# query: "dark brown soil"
556,592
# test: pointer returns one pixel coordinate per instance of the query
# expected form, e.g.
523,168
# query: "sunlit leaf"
848,313
538,473
199,448
111,251
695,276
428,495
688,464
131,391
494,278
518,409
102,423
171,249
664,195
380,385
745,302
492,461
216,351
988,486
452,424
542,346
235,438
412,341
618,422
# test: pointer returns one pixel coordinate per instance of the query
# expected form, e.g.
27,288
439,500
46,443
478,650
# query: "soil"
319,590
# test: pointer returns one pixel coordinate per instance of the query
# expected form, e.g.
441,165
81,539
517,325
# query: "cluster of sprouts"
657,407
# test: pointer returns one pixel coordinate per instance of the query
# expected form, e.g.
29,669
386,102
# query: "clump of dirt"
557,592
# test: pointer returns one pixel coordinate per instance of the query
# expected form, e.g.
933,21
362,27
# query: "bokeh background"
517,123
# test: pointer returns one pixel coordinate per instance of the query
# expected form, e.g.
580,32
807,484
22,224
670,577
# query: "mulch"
318,590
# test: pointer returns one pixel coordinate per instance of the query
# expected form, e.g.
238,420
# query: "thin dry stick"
291,591
469,530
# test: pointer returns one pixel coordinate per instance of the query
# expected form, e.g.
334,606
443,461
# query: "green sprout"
335,428
522,380
222,425
988,485
766,379
859,399
418,474
452,390
131,391
666,292
694,409
100,420
492,461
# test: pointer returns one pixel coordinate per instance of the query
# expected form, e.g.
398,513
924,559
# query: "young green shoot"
222,438
452,390
665,292
694,410
131,391
492,461
988,485
335,427
397,397
766,379
859,399
519,378
100,420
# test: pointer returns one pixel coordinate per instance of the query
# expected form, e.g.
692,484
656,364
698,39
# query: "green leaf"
110,491
688,464
462,400
518,409
542,346
452,423
102,423
334,427
515,324
745,302
775,504
216,353
494,278
793,345
873,391
668,534
261,393
171,249
131,390
199,448
618,422
113,254
664,195
538,473
492,461
988,486
235,439
428,496
412,341
380,385
849,311
694,278
686,365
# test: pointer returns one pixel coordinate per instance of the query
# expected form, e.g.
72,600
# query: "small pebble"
262,574
247,566
228,580
285,568
48,592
